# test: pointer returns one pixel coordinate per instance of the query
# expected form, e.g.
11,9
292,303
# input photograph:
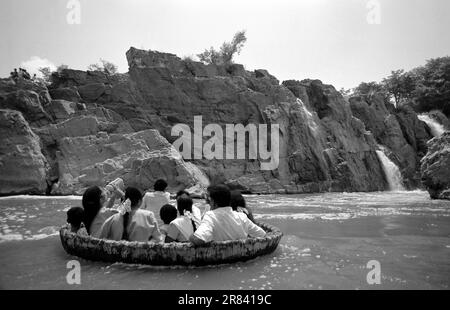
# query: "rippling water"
328,240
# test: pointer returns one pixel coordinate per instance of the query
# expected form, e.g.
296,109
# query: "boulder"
28,102
23,168
435,167
138,158
66,93
62,109
73,78
92,92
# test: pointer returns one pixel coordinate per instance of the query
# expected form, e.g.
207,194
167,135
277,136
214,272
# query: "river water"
328,241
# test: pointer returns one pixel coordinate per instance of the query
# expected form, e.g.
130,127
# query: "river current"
329,238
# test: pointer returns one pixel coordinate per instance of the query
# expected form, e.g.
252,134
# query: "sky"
341,42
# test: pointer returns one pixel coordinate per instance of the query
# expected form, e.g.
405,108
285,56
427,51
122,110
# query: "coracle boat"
168,254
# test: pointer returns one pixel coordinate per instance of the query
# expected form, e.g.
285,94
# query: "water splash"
391,171
436,129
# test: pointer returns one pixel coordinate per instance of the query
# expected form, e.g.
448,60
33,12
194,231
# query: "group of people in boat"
134,218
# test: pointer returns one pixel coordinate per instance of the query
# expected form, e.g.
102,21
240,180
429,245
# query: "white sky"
329,40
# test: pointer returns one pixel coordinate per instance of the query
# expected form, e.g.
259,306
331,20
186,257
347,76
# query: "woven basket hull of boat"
166,254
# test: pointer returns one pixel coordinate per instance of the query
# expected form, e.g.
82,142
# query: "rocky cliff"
396,129
23,168
436,167
93,127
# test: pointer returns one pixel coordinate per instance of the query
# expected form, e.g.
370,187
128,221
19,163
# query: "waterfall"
391,171
436,129
309,116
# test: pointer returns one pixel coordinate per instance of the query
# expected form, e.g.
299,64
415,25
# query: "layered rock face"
322,146
94,127
23,168
435,167
398,130
63,147
138,158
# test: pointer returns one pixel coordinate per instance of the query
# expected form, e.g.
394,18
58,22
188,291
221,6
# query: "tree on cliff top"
432,90
46,73
104,66
400,86
425,88
228,49
368,89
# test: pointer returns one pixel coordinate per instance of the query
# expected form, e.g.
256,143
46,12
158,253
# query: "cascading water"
436,129
391,171
309,116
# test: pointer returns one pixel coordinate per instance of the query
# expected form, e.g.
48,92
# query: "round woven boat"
167,254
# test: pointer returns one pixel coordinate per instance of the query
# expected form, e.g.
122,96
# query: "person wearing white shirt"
134,224
167,214
153,201
222,223
196,212
96,209
181,228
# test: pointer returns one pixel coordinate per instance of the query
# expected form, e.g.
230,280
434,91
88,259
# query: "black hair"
184,202
220,194
135,197
160,185
168,213
75,216
237,200
133,194
182,192
91,205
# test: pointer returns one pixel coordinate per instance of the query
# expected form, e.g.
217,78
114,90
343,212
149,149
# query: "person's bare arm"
116,195
254,230
196,241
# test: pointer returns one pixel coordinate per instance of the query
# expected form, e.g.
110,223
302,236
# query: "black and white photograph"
240,147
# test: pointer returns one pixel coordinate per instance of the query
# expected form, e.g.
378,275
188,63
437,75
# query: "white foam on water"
41,236
37,197
305,216
21,237
436,129
49,230
10,237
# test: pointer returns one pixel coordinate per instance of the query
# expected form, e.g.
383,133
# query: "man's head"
219,196
160,185
168,213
